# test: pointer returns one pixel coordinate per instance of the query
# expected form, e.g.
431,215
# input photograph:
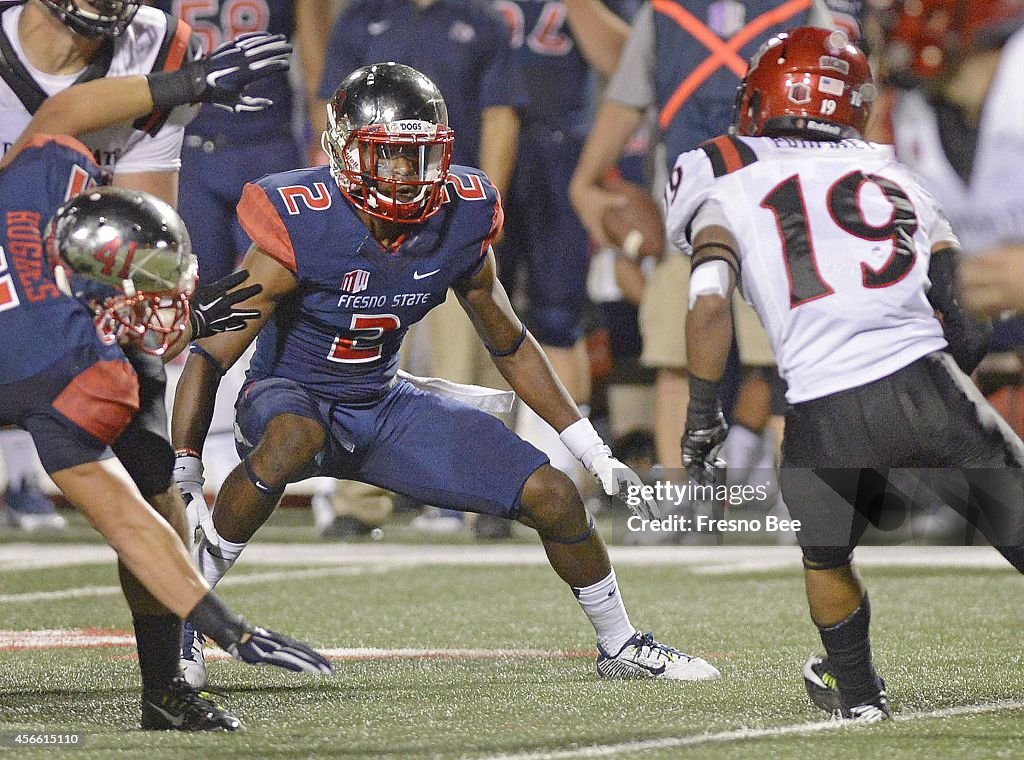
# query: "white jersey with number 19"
834,244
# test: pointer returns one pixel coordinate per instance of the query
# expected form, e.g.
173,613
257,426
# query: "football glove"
258,646
615,478
188,475
222,76
213,306
701,442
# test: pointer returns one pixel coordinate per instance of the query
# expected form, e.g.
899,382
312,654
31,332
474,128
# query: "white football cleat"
193,661
644,657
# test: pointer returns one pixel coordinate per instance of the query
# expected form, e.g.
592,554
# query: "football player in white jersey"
958,121
846,260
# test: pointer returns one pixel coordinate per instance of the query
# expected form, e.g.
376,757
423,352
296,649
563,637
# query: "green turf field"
947,639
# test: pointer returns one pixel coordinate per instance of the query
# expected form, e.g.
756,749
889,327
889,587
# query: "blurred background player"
953,69
66,382
685,60
847,260
463,46
322,395
543,256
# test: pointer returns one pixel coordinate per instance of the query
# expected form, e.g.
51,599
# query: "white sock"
214,561
603,604
20,459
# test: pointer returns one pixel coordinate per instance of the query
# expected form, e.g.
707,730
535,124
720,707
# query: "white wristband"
581,438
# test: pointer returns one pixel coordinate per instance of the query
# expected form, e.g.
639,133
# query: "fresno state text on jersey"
340,331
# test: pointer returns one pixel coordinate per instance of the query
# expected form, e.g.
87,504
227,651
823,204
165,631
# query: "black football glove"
213,306
700,445
258,646
222,76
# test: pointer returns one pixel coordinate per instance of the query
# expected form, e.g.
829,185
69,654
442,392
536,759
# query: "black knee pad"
570,540
827,557
150,462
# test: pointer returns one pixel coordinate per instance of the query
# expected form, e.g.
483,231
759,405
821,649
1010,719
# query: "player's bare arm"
708,339
600,34
709,320
515,352
614,124
197,389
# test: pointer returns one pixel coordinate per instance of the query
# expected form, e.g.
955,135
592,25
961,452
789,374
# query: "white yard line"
77,638
243,579
627,749
711,559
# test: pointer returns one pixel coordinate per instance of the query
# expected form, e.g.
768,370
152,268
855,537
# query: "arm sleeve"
968,338
632,84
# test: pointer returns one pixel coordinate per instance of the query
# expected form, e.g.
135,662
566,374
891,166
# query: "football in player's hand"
636,228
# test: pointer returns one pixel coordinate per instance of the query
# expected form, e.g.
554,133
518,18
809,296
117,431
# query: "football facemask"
393,171
134,254
97,18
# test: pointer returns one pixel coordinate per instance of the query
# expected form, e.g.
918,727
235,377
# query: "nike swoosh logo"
376,28
418,276
174,720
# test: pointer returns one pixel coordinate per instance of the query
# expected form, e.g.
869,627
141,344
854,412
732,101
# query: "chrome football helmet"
135,257
389,143
95,18
807,82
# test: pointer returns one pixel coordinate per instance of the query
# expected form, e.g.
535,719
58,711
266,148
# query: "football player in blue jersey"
349,256
168,701
70,386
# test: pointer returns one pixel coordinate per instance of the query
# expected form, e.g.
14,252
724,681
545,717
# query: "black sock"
849,655
158,639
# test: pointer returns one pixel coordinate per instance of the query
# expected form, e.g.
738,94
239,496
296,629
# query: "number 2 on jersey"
366,345
786,201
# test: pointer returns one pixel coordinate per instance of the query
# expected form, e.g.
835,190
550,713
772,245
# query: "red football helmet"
806,82
920,38
389,142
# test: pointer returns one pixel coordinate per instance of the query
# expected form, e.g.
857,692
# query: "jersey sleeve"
689,186
70,168
934,222
263,224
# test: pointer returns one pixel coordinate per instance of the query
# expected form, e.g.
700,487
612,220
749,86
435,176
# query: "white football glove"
617,480
188,475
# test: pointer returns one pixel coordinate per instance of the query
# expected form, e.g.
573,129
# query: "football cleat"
821,685
823,689
181,707
644,657
193,661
